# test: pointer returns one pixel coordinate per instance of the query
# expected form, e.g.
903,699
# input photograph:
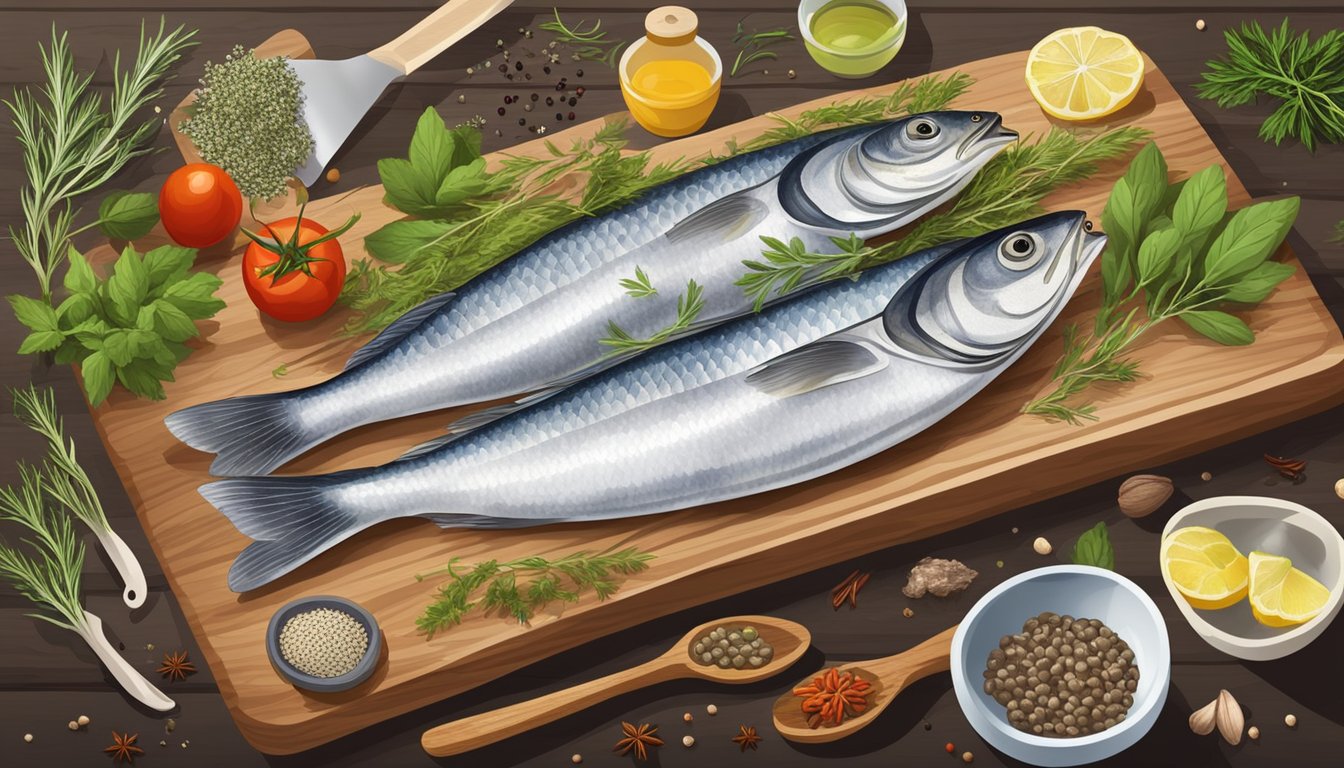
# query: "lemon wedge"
1205,568
1281,595
1083,73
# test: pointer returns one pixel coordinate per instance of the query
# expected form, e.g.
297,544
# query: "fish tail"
251,435
292,519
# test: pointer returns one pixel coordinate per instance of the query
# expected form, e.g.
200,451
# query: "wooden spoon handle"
488,727
929,657
440,29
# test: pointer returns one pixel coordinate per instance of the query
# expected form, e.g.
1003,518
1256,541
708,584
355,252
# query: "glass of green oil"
852,38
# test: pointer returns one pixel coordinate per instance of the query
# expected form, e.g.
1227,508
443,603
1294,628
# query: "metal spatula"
336,94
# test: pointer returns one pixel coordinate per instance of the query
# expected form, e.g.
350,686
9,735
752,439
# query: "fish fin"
398,330
725,219
251,435
429,446
816,365
449,520
494,413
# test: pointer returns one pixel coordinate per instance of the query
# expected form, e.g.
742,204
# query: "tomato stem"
294,255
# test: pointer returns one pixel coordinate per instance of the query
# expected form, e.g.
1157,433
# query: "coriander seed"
688,741
323,642
1290,720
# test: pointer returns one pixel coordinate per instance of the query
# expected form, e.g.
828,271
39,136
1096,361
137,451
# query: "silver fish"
532,322
808,386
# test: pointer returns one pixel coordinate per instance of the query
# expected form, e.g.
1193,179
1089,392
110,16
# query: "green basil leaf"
91,333
432,146
461,183
1256,285
127,287
37,315
79,277
1201,205
172,323
128,215
1251,236
1094,548
195,295
1219,326
398,241
70,352
76,308
167,264
466,145
1146,182
96,371
139,379
406,188
41,341
1157,254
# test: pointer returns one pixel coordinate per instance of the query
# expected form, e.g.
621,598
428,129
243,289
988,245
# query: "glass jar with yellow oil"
670,78
852,38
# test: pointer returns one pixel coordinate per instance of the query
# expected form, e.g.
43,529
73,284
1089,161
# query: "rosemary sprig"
590,43
63,478
689,305
754,46
1307,76
50,575
519,588
638,286
74,141
1008,189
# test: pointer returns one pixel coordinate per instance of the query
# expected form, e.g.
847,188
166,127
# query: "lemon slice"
1205,568
1083,73
1281,595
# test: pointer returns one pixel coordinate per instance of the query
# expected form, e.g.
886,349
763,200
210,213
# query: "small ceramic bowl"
345,682
1076,590
852,63
1277,527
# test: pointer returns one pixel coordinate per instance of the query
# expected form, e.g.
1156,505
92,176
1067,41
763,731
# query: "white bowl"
1076,590
1277,527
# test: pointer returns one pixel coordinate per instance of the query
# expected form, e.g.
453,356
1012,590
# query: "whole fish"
808,386
536,319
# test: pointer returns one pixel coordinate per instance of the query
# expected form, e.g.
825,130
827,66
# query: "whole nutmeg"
1142,495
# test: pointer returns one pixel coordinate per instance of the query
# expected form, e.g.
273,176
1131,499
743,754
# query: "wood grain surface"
982,460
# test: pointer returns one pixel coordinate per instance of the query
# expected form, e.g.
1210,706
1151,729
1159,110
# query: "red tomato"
200,205
294,278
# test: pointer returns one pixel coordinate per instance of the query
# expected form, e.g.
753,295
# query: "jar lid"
671,25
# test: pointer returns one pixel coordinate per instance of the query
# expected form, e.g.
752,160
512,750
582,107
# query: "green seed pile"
737,648
323,642
248,120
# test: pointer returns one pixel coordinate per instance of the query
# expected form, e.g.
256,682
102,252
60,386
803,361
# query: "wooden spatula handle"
489,727
440,29
929,657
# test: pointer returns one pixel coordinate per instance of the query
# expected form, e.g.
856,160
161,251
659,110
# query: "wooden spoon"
889,676
788,639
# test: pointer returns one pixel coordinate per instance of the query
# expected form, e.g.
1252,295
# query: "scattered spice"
638,739
908,613
123,749
1229,718
28,738
170,725
1290,720
83,720
712,710
1253,733
792,74
323,642
72,725
333,175
1199,24
176,666
1142,495
735,647
746,738
832,696
1289,469
1206,476
1042,546
687,717
967,757
576,758
688,741
950,747
998,563
1339,487
939,577
848,590
1204,719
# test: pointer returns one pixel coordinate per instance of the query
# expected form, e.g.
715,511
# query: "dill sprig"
1306,75
590,43
50,575
689,305
74,140
755,46
638,286
1008,189
519,588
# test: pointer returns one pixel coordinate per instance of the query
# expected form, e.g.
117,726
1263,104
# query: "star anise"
746,737
123,749
639,739
176,666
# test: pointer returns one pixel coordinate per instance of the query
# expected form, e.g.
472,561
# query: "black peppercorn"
508,99
550,102
522,121
573,102
546,69
579,90
503,67
518,65
571,115
500,111
560,86
527,75
559,117
579,73
533,96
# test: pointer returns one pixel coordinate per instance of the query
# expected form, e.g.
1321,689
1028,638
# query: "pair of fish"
804,388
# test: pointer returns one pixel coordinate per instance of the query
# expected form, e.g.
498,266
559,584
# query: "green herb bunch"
1094,548
63,479
1174,252
589,43
74,140
519,588
48,573
1007,190
1305,75
128,328
755,46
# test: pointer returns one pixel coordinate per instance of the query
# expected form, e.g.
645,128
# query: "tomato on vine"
298,273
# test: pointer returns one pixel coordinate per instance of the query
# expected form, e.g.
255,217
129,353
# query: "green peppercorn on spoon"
790,641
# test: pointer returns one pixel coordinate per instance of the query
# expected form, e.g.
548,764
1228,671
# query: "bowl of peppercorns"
1062,666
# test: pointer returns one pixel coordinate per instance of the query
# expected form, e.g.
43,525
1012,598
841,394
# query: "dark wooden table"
47,677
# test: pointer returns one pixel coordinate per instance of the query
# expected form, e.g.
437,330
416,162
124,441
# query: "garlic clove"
1229,718
1202,719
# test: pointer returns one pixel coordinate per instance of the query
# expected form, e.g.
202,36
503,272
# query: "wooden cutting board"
984,459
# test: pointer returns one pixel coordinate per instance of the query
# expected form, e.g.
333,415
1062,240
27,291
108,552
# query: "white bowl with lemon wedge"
1257,578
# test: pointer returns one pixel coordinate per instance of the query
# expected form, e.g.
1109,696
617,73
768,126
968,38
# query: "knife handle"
452,22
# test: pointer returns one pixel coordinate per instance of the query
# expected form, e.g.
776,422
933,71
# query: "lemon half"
1281,595
1083,73
1204,567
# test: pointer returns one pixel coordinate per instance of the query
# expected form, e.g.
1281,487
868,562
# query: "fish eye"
976,118
1020,250
922,129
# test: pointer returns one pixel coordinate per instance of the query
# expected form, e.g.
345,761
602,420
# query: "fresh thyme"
755,46
519,588
689,305
1008,189
1306,76
1174,252
590,44
639,285
74,141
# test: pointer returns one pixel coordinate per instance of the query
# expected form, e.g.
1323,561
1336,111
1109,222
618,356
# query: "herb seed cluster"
1063,676
323,642
735,648
248,120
